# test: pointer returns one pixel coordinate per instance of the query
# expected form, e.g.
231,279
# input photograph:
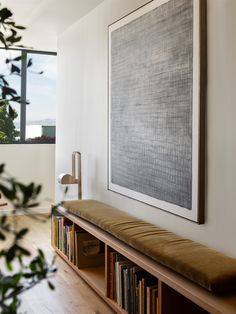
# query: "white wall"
82,119
32,163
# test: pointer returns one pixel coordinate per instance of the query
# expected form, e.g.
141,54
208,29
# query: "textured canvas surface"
151,103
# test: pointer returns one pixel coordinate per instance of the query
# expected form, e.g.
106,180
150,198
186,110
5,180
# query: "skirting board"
45,209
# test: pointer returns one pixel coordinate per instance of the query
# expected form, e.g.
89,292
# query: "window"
35,120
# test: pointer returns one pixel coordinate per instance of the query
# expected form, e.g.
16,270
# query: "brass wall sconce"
75,178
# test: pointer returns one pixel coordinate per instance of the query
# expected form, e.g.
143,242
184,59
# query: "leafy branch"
19,274
29,274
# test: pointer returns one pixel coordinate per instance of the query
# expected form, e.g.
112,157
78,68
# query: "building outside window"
35,120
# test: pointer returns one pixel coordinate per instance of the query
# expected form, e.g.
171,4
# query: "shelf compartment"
133,288
171,300
94,276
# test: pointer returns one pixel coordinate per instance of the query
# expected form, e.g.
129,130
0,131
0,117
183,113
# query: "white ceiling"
42,17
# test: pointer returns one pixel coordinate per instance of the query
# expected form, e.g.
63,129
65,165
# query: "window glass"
41,94
38,114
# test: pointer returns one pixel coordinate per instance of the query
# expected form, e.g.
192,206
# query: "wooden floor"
72,294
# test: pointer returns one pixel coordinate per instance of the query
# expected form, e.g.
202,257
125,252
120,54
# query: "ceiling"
48,16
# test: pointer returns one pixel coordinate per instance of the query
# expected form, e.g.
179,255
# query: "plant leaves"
22,233
8,193
38,189
5,14
4,218
11,112
41,254
33,205
17,58
15,69
30,62
2,166
11,253
19,27
51,286
23,250
2,236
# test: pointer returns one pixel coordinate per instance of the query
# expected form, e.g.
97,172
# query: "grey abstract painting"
151,104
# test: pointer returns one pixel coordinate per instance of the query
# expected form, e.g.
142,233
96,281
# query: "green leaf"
2,236
9,266
8,193
32,266
2,166
28,275
4,218
17,58
19,27
23,250
15,69
38,189
11,253
5,14
22,233
51,286
16,278
13,39
33,205
30,62
2,39
7,91
11,112
5,82
13,306
41,253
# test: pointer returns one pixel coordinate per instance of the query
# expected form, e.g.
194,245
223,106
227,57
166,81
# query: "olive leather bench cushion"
210,269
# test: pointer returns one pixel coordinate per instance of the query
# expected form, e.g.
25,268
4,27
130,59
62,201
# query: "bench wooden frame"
176,294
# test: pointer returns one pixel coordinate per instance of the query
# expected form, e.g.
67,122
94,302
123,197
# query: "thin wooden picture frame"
196,212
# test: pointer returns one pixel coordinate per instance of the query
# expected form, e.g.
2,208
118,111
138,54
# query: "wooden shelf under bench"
175,293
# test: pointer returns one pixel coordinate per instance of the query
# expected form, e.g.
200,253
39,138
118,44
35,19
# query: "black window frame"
23,89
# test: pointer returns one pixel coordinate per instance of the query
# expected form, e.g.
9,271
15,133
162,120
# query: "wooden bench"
176,293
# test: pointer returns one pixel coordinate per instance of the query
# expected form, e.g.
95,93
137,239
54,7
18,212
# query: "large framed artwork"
157,69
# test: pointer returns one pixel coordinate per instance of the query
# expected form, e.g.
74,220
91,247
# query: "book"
139,273
151,294
111,275
120,266
127,288
117,281
143,295
123,265
54,230
117,257
154,296
88,250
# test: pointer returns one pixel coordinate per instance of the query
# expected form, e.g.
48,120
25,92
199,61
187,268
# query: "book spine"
62,234
117,284
111,275
76,249
73,244
128,289
55,231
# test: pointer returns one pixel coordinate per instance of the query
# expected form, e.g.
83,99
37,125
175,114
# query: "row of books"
63,236
133,288
80,247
